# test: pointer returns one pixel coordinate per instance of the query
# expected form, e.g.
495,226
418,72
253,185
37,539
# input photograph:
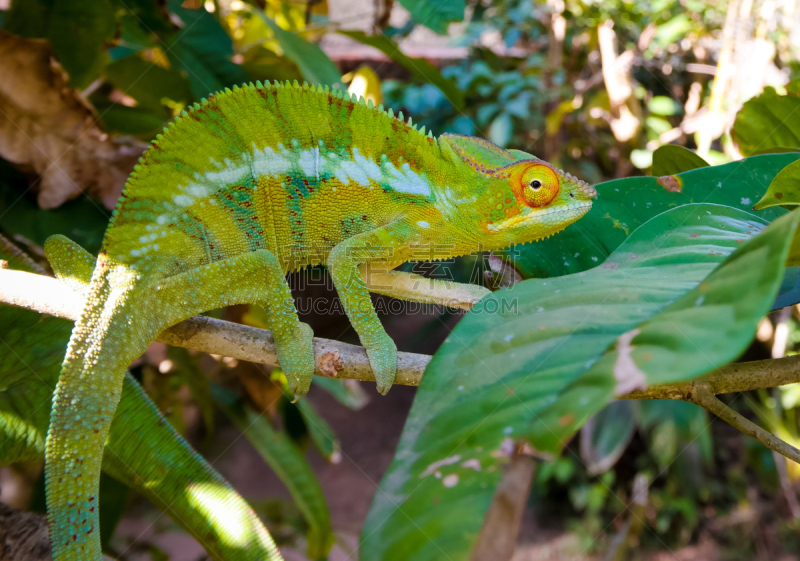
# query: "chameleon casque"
249,185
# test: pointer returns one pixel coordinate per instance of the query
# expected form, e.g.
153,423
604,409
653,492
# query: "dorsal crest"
484,156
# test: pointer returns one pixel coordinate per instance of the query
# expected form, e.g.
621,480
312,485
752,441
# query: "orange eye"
537,185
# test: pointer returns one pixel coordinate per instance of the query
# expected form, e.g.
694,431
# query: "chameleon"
248,185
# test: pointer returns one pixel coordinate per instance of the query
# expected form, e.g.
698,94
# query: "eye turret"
537,185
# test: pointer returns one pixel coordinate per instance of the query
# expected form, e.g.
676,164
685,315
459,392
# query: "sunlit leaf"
289,465
501,129
784,188
663,105
768,121
671,159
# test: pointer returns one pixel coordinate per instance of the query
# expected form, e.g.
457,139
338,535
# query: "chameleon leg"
343,264
71,263
250,278
416,288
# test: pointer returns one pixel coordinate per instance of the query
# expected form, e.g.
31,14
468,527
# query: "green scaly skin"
256,182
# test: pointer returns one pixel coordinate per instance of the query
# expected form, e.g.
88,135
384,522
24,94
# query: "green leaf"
435,15
78,31
321,433
313,63
419,67
690,424
768,121
671,159
663,105
703,329
347,392
784,188
204,51
148,83
524,352
131,120
622,205
606,435
288,464
28,18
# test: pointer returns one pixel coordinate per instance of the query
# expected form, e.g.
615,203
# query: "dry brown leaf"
47,128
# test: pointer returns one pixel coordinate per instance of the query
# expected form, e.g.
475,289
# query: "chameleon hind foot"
383,360
296,357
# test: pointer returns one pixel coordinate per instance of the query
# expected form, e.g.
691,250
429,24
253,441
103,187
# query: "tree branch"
334,359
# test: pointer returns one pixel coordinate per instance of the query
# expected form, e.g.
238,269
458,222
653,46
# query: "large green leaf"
705,328
622,205
288,463
435,15
671,159
419,67
768,121
313,63
528,353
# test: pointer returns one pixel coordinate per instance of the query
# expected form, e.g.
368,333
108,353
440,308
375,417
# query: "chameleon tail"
104,342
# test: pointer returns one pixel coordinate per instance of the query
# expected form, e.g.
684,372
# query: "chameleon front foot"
296,357
383,360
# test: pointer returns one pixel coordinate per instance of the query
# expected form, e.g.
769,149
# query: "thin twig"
705,399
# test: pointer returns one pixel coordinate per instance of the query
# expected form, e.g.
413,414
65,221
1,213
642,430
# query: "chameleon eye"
537,185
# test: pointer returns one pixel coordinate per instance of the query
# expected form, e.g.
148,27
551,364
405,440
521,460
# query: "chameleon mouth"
577,209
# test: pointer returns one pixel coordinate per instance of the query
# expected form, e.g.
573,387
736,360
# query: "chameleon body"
253,183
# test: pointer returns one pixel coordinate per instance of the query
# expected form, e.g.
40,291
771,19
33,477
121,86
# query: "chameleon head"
531,199
514,196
